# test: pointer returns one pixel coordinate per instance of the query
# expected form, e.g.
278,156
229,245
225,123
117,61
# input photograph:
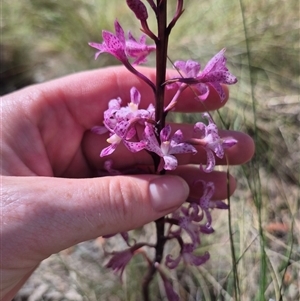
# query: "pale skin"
50,197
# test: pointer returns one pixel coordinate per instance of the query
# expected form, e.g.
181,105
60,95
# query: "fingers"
192,174
42,216
122,158
45,215
86,94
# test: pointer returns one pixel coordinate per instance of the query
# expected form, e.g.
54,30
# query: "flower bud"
139,8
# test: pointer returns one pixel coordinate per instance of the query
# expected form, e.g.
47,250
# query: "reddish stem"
161,64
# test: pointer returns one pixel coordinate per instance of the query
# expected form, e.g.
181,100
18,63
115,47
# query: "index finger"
87,94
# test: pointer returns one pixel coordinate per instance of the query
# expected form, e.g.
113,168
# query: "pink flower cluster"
122,121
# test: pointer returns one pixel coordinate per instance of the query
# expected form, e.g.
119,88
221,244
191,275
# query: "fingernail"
168,192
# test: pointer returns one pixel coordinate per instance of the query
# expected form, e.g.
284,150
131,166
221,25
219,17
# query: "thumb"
46,215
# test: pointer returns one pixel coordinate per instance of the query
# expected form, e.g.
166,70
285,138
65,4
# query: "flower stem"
159,248
140,75
161,64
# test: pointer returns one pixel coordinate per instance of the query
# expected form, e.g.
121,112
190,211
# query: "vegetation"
44,39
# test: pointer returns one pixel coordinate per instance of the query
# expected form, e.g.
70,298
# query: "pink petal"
120,32
211,161
114,46
165,133
150,138
135,96
121,128
200,127
135,146
192,68
177,137
108,150
172,263
97,46
131,37
115,103
219,90
198,260
143,39
216,62
183,148
203,91
99,129
180,65
228,142
170,162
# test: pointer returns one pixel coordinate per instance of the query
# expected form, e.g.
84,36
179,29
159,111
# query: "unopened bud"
139,8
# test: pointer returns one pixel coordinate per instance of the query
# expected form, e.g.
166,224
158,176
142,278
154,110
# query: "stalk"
161,64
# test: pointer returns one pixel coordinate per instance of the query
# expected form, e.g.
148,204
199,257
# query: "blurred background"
45,39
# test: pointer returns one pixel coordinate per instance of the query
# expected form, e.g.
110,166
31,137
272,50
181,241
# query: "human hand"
49,157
